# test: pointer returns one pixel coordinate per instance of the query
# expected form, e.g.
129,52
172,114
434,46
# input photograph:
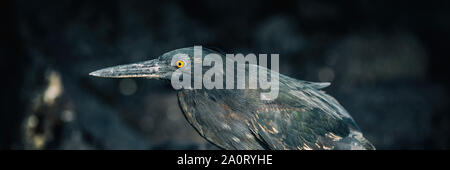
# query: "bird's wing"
316,85
301,84
305,118
310,94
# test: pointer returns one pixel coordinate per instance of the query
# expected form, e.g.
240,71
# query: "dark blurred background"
385,59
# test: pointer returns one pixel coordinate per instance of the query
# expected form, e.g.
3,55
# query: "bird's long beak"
148,69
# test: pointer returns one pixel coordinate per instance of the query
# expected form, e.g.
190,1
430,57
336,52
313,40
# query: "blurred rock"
372,57
398,115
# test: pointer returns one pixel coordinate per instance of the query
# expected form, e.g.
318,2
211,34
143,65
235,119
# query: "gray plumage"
301,117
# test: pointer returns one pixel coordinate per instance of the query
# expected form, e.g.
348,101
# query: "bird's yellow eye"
179,64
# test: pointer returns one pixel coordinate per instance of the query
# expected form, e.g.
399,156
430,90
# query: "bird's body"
301,117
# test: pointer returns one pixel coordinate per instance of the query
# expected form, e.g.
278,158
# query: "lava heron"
302,117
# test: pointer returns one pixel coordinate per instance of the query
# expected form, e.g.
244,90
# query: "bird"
302,117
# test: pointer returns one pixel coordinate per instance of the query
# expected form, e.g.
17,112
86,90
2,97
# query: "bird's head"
160,68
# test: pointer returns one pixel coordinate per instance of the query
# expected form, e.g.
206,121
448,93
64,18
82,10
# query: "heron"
302,117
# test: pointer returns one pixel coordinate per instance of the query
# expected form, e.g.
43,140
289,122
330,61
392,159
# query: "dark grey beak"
148,69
